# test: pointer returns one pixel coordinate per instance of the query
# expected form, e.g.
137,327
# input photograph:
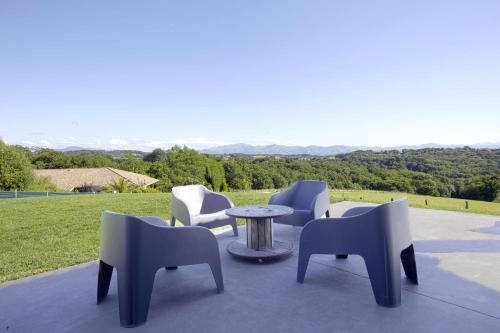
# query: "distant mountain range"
73,148
241,148
115,152
245,149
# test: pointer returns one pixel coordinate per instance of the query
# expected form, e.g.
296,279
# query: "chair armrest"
281,198
320,204
215,202
332,224
338,235
187,236
357,211
154,220
180,210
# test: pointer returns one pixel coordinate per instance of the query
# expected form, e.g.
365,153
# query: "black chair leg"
103,280
409,263
341,256
327,214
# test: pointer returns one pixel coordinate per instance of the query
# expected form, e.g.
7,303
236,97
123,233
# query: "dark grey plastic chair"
196,205
379,234
137,247
308,198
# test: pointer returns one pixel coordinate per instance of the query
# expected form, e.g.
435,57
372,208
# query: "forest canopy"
446,172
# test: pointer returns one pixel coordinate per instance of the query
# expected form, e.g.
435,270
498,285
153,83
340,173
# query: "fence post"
15,193
426,202
466,204
47,194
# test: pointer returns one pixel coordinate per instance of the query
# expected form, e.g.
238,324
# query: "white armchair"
196,205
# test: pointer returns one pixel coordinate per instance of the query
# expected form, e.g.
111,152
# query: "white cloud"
118,142
40,143
129,143
44,143
150,144
28,143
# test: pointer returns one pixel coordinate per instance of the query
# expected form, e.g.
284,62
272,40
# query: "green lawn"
479,207
42,234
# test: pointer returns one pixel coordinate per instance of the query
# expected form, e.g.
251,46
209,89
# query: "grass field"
474,206
42,234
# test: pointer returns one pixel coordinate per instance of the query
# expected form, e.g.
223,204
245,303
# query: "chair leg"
304,257
103,280
216,269
172,221
134,295
409,263
385,277
327,214
341,256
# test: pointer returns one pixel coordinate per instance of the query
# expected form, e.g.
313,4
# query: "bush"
224,187
40,184
15,169
279,181
120,185
51,159
261,179
484,188
144,189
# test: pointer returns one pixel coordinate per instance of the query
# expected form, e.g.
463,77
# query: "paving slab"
459,290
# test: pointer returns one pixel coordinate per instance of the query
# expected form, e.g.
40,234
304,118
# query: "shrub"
15,169
40,184
144,189
120,185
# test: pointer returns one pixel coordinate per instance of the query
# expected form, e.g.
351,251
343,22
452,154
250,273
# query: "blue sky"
145,74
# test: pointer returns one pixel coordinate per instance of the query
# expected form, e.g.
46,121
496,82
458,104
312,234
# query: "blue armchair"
137,246
308,198
380,234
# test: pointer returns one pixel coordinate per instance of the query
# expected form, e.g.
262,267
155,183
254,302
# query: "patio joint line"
411,291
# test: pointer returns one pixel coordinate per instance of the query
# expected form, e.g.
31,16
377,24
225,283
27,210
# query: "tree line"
458,172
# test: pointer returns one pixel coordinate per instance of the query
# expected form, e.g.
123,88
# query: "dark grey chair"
379,234
137,247
308,198
196,205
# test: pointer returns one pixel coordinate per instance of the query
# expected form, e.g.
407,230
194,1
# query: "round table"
260,244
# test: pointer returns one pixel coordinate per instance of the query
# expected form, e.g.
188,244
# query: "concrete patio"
458,261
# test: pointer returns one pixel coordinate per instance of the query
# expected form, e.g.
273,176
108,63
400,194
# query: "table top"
260,211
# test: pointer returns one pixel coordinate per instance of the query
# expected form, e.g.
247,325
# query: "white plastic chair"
196,205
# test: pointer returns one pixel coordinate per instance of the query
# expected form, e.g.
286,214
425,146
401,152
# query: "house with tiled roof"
95,178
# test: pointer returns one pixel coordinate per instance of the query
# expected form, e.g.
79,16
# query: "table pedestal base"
279,250
260,244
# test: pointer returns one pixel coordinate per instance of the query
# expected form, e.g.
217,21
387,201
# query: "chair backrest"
304,192
118,233
395,216
191,195
390,219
